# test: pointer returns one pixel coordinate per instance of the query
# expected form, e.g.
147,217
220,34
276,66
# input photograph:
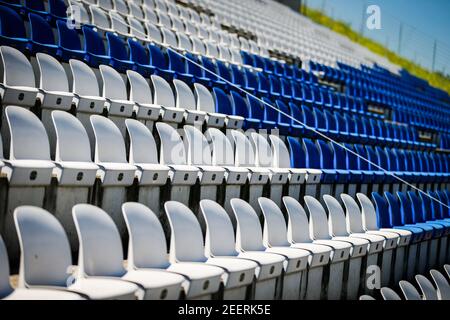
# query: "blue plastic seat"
355,174
212,74
320,121
431,210
424,210
193,67
241,108
297,153
119,55
223,71
297,129
388,215
270,120
140,57
57,9
329,172
15,5
95,49
309,120
238,77
297,92
258,61
269,65
158,60
257,111
37,7
378,175
263,84
222,102
42,39
312,154
178,65
247,58
275,87
364,166
69,42
12,29
251,83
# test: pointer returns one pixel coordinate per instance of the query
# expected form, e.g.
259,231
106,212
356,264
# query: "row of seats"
439,289
278,261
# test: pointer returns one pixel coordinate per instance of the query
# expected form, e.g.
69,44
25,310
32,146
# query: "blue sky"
423,22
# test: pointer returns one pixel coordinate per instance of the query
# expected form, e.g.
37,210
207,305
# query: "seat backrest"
172,147
368,211
317,219
263,151
409,291
28,138
142,143
244,152
41,31
197,147
205,100
280,153
15,69
45,250
163,92
68,38
248,231
221,148
140,91
101,252
429,292
353,216
219,239
109,143
298,156
93,42
184,97
99,18
52,76
118,23
72,141
113,84
336,217
11,23
116,47
84,80
275,230
443,288
5,286
298,230
389,294
366,298
147,243
186,240
313,155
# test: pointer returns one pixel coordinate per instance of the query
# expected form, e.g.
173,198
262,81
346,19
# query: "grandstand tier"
224,149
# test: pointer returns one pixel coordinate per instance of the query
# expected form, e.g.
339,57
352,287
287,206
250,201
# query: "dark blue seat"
355,174
363,165
222,102
42,38
224,72
297,153
95,49
193,67
409,218
388,215
12,29
263,85
247,58
238,77
257,111
329,172
297,92
297,129
378,175
283,121
119,55
431,210
177,64
309,120
69,42
275,87
140,57
15,5
320,121
37,7
211,72
269,65
251,83
270,115
422,216
241,108
57,9
313,156
158,60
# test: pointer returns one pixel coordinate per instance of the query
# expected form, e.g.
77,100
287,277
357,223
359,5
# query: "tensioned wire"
392,174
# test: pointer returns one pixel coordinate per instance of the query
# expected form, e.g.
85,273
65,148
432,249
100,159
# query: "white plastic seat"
165,98
101,255
144,155
278,177
74,171
187,246
172,154
177,25
185,100
275,239
86,92
389,294
153,33
115,93
100,19
169,37
366,298
115,172
118,23
443,288
205,103
106,4
245,157
199,155
121,6
17,85
184,42
135,10
8,293
429,292
46,259
409,291
53,84
151,17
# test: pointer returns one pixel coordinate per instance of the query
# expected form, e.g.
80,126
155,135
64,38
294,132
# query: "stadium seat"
97,231
13,31
164,97
224,106
389,294
187,246
409,291
429,292
8,293
205,103
18,86
185,100
116,97
35,223
442,285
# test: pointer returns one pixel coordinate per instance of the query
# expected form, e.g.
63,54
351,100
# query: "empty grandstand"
214,149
